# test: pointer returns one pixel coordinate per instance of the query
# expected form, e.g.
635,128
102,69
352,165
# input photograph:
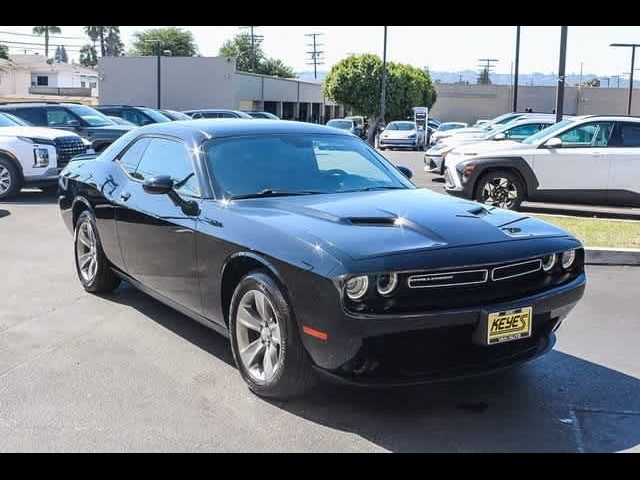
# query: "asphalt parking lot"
125,373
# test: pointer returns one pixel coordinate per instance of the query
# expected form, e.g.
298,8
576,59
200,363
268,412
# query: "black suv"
74,117
136,115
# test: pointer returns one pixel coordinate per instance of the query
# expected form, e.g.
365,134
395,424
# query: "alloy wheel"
87,251
5,180
500,192
258,336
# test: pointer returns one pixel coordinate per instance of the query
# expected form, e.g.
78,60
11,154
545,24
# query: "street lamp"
561,76
633,60
383,86
515,72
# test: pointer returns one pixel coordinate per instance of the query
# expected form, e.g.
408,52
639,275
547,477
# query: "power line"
38,43
315,58
36,35
255,43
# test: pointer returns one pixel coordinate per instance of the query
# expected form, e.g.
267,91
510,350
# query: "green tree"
46,31
61,54
178,41
248,56
275,67
108,37
88,56
483,77
251,58
4,51
355,82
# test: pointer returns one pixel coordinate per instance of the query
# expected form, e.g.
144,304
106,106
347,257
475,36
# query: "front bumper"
399,143
453,184
46,178
433,163
436,345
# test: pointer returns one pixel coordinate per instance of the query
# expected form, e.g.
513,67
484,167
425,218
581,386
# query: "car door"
157,238
577,170
624,180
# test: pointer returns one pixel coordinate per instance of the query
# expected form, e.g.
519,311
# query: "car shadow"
4,213
192,331
438,180
558,403
32,197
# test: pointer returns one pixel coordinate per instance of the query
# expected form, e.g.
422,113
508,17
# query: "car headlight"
549,262
40,157
386,284
567,259
357,287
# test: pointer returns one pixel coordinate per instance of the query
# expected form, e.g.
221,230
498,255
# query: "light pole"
515,72
561,76
633,60
158,55
383,86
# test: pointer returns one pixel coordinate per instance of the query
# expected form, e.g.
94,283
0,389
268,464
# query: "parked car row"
593,159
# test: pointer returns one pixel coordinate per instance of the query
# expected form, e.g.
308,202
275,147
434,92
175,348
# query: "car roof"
212,110
231,127
38,104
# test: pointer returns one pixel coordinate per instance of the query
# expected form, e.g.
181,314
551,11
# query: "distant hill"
536,78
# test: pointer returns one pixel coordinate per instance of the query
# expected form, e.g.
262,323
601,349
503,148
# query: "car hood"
485,146
113,128
398,133
369,224
461,131
34,132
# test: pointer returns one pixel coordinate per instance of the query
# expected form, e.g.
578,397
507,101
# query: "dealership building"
210,82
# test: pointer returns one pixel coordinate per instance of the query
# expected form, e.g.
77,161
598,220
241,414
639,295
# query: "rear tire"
500,188
265,341
92,266
10,179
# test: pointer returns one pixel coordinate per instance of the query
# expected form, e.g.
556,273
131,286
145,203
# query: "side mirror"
500,136
405,171
73,124
554,142
160,185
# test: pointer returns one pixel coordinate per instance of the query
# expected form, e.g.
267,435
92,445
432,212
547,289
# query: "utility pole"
315,58
383,86
633,60
517,68
561,76
486,68
158,55
255,43
580,74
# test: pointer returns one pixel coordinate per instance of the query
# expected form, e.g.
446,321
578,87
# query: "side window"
168,157
112,112
59,117
210,115
228,115
134,116
523,131
630,134
197,115
131,157
596,134
36,116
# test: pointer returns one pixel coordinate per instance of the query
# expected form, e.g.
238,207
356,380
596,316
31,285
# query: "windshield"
547,132
401,126
8,120
449,126
155,115
176,115
93,117
341,124
297,164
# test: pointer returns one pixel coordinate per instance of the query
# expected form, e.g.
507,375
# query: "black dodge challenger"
315,255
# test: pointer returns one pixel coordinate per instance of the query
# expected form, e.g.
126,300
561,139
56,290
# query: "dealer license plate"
509,325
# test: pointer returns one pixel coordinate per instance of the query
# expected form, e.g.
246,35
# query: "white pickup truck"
33,156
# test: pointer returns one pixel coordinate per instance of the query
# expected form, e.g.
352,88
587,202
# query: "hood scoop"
373,221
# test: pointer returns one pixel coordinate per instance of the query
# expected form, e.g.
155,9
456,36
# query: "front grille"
67,148
480,285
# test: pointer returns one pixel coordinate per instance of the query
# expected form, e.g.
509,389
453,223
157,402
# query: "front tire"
500,188
10,179
92,266
265,341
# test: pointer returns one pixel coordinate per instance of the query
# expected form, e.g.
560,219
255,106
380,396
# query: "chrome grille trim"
415,278
538,266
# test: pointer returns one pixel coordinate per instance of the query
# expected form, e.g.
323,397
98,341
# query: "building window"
83,84
42,81
93,84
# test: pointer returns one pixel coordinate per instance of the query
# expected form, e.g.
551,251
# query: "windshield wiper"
268,192
377,187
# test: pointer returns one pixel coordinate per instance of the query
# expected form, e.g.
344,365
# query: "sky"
440,48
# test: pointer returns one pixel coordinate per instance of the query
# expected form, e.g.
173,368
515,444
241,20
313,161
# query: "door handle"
125,196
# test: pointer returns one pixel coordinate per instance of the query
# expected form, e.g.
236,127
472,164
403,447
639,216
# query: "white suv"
590,159
33,156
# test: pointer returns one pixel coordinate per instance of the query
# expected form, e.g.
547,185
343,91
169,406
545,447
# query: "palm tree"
95,33
46,31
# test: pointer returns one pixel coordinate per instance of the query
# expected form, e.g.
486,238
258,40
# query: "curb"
619,256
